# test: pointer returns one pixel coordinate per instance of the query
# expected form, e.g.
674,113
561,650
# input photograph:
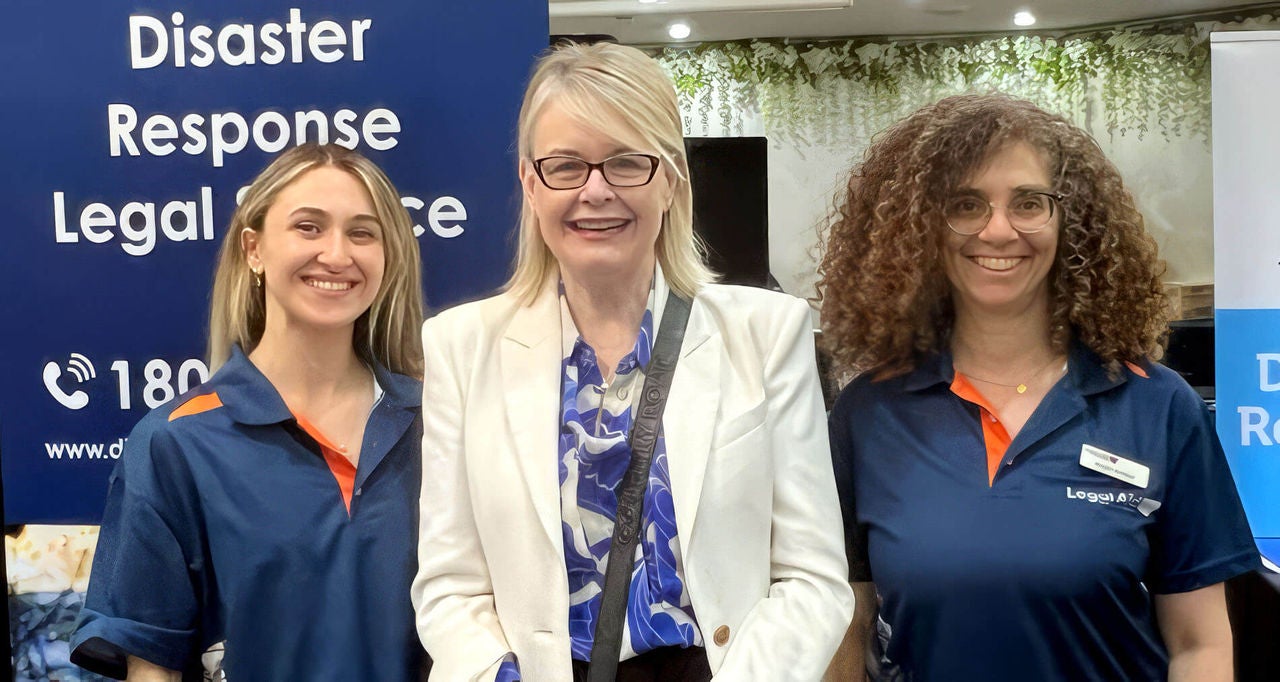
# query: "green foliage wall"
1145,94
1121,81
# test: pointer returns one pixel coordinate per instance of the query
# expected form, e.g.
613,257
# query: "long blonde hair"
621,93
388,332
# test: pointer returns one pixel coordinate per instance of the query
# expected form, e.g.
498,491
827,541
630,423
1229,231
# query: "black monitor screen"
730,178
1190,352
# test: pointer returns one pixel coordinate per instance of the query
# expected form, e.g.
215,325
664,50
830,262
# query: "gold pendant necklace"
1020,387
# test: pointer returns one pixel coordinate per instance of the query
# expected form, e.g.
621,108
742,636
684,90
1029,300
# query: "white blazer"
755,500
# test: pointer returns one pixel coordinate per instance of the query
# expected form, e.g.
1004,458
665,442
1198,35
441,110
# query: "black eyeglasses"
1027,212
570,172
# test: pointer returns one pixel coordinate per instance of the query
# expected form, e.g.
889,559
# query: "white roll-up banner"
1246,234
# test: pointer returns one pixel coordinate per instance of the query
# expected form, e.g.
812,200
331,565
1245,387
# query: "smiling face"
320,252
596,232
1000,270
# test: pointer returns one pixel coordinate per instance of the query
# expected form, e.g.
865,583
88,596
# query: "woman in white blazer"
740,570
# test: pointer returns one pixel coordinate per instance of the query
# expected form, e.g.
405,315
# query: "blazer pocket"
738,426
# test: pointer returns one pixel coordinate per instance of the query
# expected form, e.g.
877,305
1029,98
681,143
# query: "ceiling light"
679,31
1024,18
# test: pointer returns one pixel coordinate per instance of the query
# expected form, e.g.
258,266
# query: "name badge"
1115,466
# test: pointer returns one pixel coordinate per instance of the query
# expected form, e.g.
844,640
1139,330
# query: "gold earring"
257,278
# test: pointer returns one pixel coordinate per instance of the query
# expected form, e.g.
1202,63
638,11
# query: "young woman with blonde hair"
274,507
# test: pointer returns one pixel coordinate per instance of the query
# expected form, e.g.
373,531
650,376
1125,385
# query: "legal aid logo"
80,369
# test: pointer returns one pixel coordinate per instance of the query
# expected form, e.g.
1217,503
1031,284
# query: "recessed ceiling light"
647,2
1024,18
679,31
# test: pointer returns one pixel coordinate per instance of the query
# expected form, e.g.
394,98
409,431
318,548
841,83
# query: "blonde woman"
273,506
739,571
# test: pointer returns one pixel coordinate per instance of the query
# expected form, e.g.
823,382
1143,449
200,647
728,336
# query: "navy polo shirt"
1046,572
224,523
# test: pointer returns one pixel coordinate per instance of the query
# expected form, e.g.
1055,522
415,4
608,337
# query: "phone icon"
79,367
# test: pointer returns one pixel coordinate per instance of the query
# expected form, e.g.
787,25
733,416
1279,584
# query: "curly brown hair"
886,300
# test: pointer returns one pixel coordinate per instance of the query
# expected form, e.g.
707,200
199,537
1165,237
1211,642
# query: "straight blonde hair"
621,93
388,332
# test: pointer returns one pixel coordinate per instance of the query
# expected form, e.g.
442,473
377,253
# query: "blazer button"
722,635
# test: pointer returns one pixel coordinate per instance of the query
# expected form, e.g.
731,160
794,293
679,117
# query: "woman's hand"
1197,633
141,670
849,662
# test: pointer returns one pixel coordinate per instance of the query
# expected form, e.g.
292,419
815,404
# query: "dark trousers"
668,664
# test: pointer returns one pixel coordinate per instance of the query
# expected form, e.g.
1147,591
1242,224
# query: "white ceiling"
644,22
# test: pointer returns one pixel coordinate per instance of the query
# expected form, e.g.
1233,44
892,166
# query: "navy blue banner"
129,130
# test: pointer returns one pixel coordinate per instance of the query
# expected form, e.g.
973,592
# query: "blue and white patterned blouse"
594,455
595,420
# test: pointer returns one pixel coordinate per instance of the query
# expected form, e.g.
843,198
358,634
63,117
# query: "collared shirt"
596,418
1044,571
224,521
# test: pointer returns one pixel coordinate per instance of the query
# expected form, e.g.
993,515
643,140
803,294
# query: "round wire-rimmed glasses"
632,169
1027,212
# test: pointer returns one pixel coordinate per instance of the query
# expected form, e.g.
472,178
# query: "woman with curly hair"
1033,496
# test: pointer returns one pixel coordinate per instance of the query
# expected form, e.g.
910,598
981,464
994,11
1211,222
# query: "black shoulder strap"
607,644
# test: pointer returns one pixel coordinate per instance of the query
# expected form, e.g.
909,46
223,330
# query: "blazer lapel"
689,419
531,360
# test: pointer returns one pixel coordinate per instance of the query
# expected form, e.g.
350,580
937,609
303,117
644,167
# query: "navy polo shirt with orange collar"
1036,557
228,519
